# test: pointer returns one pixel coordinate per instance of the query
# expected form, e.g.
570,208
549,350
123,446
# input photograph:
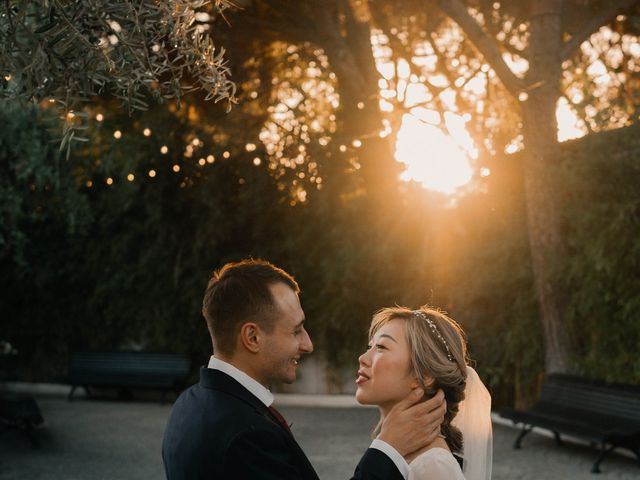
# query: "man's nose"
306,345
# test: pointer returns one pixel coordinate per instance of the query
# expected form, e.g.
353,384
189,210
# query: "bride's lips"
362,378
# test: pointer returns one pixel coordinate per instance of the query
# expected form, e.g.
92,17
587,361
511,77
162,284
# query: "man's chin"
289,379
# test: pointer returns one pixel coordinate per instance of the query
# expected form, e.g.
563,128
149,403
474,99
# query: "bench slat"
600,413
129,369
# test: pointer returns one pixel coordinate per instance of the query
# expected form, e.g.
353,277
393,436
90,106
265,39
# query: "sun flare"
431,157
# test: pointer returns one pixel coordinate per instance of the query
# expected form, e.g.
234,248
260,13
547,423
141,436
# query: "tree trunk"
541,159
346,40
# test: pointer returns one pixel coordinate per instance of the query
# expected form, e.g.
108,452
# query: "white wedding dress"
435,464
474,421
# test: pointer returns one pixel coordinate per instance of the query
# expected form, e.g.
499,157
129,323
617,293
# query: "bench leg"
605,451
28,430
558,439
70,396
525,430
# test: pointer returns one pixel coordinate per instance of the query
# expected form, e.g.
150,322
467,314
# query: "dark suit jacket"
218,430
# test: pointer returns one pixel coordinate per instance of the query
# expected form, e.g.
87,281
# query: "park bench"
127,370
21,412
607,416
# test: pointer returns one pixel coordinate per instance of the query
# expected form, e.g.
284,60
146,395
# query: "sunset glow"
435,160
439,153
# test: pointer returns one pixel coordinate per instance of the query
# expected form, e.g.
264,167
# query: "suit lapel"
217,380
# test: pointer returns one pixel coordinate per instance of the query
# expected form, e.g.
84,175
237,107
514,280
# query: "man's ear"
251,337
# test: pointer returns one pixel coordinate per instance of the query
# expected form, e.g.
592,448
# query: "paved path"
96,440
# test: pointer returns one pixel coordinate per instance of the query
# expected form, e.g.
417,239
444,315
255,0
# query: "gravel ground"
108,439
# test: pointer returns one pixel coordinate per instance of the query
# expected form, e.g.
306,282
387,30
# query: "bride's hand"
411,425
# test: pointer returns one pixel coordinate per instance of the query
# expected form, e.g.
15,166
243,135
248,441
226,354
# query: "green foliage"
485,281
124,265
35,186
69,52
602,202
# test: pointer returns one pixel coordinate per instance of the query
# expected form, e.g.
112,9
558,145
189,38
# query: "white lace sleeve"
435,464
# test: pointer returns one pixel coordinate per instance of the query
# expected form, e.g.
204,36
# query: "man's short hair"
238,293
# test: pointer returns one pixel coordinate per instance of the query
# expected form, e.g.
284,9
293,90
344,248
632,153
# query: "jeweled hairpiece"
434,329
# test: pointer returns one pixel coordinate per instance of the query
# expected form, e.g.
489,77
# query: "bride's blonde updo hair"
438,351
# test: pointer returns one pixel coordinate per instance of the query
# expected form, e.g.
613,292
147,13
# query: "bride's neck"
384,410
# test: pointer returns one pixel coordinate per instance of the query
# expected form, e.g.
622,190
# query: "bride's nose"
362,359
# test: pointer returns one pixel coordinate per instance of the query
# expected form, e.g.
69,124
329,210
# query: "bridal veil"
474,421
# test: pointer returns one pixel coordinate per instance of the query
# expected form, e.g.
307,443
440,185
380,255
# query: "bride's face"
384,376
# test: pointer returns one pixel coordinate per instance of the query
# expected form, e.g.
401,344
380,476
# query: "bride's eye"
380,346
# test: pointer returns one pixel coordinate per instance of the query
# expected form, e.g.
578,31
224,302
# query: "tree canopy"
66,53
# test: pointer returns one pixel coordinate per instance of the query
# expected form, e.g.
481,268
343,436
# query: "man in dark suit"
225,427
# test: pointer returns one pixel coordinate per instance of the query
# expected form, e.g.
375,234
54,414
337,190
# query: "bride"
425,348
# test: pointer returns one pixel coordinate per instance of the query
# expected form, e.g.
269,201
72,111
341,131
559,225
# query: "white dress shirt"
265,396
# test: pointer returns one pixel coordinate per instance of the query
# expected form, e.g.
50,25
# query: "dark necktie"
280,419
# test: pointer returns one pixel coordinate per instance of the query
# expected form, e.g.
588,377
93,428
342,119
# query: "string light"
131,177
523,96
257,161
109,181
202,162
152,173
89,184
164,149
226,154
117,134
357,143
343,148
176,168
146,132
211,159
250,147
99,117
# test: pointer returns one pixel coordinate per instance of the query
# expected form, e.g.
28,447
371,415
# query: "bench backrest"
128,368
622,401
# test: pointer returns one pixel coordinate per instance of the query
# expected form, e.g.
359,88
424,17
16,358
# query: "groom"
225,427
